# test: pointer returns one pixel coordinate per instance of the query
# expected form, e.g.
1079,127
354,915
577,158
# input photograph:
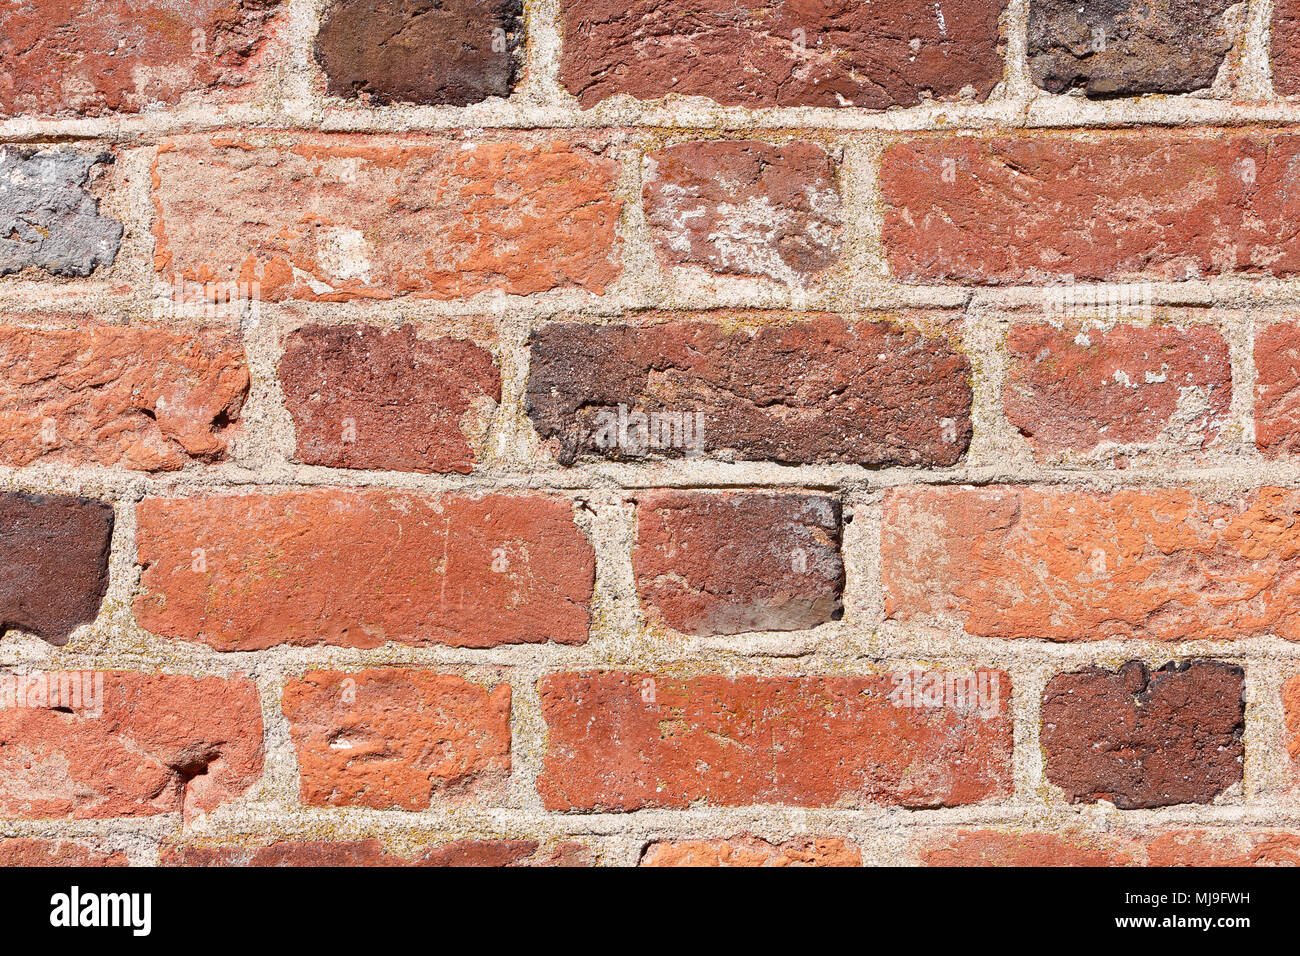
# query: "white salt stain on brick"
345,253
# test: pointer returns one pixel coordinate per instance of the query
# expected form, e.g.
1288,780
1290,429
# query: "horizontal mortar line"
1045,111
157,827
1234,477
525,663
498,819
1237,293
893,643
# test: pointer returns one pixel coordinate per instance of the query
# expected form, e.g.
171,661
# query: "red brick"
1291,713
726,563
1066,565
837,53
744,208
1160,206
365,398
1078,389
18,851
81,56
1142,739
388,738
1183,847
752,852
625,741
868,393
337,218
1286,47
507,853
1226,847
358,568
162,744
1277,389
482,853
141,397
1029,848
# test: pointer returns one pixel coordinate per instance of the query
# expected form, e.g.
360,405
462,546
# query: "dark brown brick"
365,398
821,390
726,563
744,208
53,562
1142,739
451,52
836,53
1127,47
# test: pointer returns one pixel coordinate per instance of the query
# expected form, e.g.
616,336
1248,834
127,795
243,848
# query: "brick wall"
650,433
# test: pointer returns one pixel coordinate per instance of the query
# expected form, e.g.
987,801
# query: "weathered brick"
1277,389
358,568
1141,739
49,214
1291,714
135,397
1285,52
751,385
1024,848
361,397
625,741
1166,206
53,562
507,853
744,208
1225,847
1081,389
729,562
1128,47
1160,564
1182,847
837,53
18,851
751,851
162,744
449,52
388,738
481,853
81,56
336,218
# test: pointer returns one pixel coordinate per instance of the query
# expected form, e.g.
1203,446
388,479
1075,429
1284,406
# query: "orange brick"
143,398
336,218
1071,565
359,568
624,741
397,738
